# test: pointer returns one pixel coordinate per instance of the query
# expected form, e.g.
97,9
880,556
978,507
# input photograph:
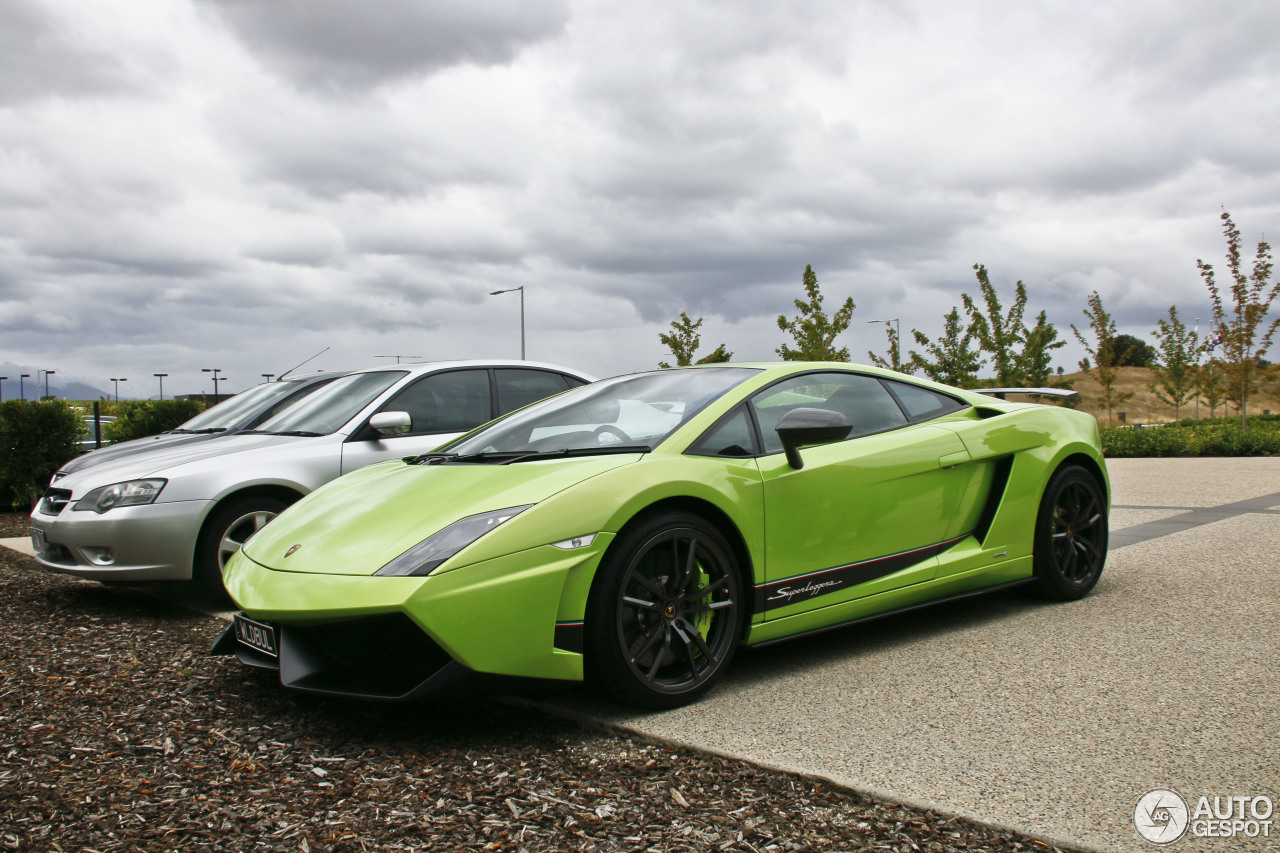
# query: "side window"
518,387
454,401
922,404
732,436
862,399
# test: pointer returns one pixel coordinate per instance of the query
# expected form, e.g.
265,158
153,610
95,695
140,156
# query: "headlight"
132,493
423,558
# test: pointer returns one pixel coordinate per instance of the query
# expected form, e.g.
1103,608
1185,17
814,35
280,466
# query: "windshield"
333,405
229,413
633,412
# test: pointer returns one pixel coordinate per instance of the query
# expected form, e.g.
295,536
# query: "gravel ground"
119,732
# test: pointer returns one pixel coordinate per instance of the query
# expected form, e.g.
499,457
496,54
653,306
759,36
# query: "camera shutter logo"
1161,817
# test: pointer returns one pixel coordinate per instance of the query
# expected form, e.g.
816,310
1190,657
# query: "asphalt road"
1054,719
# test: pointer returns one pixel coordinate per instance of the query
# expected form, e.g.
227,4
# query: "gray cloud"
338,46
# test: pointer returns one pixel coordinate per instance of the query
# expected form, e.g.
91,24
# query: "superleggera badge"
291,550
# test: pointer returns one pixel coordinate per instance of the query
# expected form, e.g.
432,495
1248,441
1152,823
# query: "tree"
1211,384
952,359
894,361
1240,325
1034,364
1134,352
683,341
1175,364
1019,355
1103,353
813,331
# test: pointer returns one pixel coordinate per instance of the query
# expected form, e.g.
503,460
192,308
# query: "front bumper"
135,543
403,637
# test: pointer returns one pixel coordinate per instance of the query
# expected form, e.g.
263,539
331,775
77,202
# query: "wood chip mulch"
119,732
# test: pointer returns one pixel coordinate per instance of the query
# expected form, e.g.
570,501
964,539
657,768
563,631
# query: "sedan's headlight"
423,558
132,493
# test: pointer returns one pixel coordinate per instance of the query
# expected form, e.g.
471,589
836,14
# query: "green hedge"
1219,437
35,440
141,418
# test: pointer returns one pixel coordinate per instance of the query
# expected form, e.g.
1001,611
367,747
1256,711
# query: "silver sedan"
179,512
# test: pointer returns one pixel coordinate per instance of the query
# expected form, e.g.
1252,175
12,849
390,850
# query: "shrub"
1195,438
141,418
35,440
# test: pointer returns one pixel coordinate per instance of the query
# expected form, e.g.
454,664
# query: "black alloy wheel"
666,613
1071,535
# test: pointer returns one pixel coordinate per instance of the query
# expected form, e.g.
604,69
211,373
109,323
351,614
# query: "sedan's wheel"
225,532
665,612
1071,535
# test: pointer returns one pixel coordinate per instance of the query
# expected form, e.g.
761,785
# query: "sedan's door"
441,406
864,515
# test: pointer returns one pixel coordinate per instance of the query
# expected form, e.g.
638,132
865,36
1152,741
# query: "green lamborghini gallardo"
635,532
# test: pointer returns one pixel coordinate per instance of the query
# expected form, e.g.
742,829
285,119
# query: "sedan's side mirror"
391,423
810,426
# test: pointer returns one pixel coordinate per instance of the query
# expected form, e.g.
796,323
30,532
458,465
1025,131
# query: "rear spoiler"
1039,392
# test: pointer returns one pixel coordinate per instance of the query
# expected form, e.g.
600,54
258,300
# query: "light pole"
215,371
22,388
897,335
161,377
118,381
47,374
513,290
397,357
2,379
267,376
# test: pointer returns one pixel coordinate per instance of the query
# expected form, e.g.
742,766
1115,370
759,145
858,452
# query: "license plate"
255,635
37,538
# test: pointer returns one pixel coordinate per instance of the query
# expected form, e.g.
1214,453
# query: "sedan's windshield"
229,413
630,412
333,405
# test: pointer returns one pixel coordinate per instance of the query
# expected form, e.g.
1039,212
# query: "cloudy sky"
240,183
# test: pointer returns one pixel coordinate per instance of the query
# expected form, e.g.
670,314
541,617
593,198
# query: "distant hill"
1144,407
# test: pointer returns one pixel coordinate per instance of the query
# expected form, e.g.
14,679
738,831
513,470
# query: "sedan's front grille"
55,501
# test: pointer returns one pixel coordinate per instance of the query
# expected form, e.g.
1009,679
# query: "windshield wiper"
204,431
290,432
507,457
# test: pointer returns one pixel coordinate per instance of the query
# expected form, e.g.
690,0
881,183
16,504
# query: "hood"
154,461
359,523
132,448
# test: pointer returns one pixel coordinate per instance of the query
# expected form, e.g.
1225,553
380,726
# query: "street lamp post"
897,331
22,387
513,290
161,377
397,357
47,374
267,376
118,381
2,379
215,371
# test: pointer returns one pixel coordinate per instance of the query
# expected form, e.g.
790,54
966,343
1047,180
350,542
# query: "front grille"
55,501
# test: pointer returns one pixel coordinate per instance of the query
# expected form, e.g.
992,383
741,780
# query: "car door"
441,406
864,515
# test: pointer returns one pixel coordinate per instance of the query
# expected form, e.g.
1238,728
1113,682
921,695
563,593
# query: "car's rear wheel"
225,531
1071,535
665,612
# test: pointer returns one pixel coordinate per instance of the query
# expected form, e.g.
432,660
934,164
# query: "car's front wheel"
665,612
225,531
1071,535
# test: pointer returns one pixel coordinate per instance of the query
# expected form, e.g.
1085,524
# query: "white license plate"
255,635
37,538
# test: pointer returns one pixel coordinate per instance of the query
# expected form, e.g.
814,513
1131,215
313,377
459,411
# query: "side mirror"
391,423
810,426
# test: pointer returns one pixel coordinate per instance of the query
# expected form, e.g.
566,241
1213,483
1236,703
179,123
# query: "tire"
665,612
225,530
1071,535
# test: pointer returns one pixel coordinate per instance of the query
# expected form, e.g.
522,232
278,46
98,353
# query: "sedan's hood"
155,461
359,523
114,452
